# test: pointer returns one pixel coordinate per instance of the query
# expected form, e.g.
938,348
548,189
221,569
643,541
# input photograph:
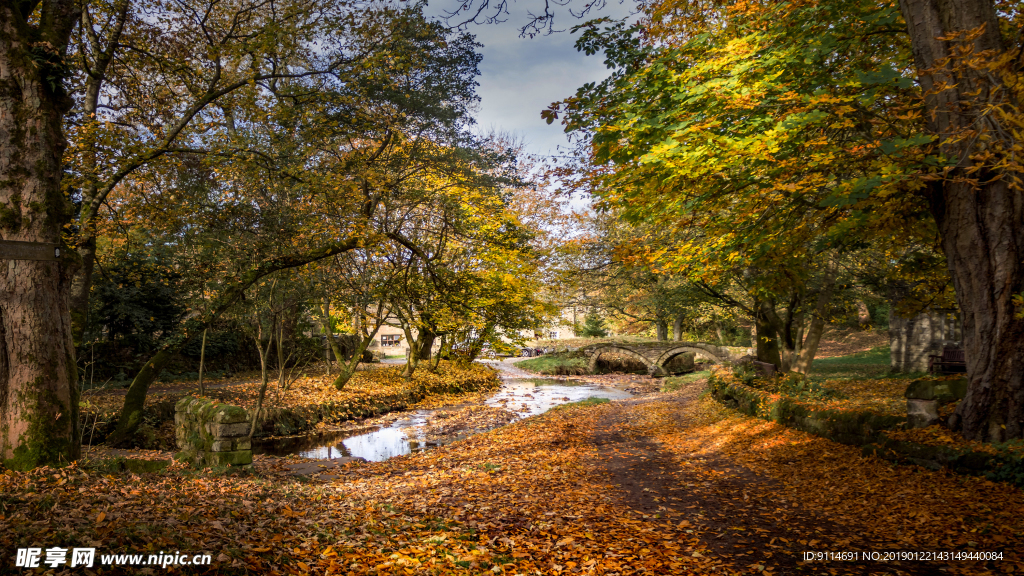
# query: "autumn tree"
773,142
361,281
968,59
321,157
941,152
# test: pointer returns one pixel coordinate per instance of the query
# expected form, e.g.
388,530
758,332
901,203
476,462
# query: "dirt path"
739,514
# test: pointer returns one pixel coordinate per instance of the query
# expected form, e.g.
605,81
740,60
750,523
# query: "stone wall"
912,340
212,433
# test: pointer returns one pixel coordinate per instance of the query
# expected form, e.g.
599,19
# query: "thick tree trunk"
38,373
661,329
427,338
981,221
677,328
767,342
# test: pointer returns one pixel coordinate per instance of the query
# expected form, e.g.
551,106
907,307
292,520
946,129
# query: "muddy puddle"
408,432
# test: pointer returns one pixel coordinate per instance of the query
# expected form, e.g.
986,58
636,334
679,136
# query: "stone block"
922,413
942,391
212,433
231,415
228,430
231,444
233,458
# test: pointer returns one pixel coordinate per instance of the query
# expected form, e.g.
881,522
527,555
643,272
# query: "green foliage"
1012,469
675,383
587,403
875,363
593,326
793,384
137,301
798,386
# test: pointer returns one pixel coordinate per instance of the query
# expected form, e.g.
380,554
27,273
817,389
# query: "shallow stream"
520,393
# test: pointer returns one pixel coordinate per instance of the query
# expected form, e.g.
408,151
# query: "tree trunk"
718,332
90,164
437,357
677,328
414,352
981,221
427,338
767,343
38,373
202,361
265,378
809,346
863,314
661,329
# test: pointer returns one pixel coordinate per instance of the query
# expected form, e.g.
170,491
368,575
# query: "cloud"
520,77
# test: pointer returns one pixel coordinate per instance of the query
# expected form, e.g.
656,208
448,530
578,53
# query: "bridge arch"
695,348
596,353
655,356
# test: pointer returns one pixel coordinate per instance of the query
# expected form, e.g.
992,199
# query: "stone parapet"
212,433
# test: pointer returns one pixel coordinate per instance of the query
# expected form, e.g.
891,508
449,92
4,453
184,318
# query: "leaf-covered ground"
377,389
666,484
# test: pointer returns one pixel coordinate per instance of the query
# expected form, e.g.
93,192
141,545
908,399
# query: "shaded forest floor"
669,483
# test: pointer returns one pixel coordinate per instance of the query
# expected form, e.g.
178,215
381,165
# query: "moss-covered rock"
941,391
847,427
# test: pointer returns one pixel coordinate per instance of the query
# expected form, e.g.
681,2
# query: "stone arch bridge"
656,355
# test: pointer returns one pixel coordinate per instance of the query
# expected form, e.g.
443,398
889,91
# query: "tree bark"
202,361
766,341
427,338
677,328
414,352
981,221
264,376
661,329
38,372
87,234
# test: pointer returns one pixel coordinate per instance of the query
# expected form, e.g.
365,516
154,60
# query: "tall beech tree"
38,373
969,60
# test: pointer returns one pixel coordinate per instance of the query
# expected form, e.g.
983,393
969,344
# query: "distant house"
390,340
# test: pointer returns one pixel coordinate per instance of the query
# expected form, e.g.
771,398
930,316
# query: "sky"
520,77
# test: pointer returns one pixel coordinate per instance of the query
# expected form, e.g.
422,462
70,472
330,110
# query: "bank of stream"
521,395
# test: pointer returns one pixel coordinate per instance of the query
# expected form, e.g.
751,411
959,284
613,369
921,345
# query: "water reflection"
532,396
524,396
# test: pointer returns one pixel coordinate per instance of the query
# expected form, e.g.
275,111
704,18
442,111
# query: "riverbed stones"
212,433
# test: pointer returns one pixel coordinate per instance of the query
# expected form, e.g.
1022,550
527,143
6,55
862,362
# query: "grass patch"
583,403
874,363
678,382
555,365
